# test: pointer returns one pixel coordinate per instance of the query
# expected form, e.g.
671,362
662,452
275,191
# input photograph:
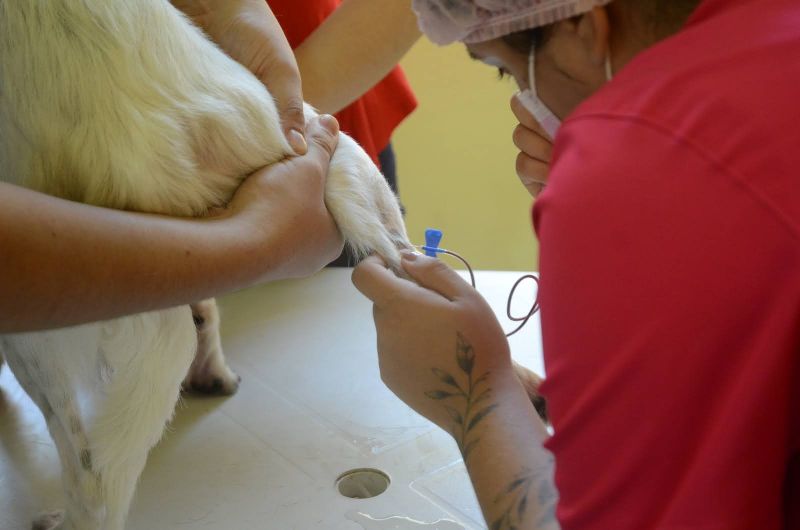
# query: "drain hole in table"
362,483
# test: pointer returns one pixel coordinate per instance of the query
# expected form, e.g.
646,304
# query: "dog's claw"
48,521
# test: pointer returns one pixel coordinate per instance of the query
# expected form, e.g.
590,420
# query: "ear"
594,31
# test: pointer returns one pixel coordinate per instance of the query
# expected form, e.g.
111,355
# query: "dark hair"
661,17
522,41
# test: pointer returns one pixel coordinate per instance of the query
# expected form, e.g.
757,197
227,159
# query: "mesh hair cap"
446,21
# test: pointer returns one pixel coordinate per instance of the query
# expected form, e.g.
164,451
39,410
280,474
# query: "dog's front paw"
49,521
218,380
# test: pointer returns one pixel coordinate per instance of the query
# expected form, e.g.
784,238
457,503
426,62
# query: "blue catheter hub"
432,239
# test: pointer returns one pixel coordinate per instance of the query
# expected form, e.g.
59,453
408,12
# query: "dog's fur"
126,104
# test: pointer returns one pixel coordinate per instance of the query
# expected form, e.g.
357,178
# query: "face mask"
530,99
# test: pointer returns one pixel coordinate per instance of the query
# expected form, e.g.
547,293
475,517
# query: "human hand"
536,149
439,343
249,33
283,207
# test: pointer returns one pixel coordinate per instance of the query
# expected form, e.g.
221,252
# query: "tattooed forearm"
510,443
468,395
513,502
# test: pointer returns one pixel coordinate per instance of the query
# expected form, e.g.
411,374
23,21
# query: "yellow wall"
456,161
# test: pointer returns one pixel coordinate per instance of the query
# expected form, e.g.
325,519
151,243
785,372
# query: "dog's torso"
127,105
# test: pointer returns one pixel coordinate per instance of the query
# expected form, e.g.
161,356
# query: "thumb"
293,122
285,86
323,136
433,274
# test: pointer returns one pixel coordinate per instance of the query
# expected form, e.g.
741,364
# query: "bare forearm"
64,263
511,471
357,46
501,439
443,352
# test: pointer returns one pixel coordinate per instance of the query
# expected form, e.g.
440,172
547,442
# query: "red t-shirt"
372,118
670,283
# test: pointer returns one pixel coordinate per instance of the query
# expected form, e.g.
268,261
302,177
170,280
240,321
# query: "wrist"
288,245
472,394
505,408
493,405
240,247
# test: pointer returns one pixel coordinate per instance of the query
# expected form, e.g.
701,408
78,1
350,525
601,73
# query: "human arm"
442,351
65,263
248,32
353,49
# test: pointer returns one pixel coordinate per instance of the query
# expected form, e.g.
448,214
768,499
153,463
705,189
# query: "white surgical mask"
531,101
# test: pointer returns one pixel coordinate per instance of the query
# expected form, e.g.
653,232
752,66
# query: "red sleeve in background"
371,119
669,298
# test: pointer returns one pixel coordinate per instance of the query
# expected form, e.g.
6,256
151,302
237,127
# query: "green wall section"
456,161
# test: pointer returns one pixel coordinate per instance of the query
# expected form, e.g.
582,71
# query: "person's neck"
633,33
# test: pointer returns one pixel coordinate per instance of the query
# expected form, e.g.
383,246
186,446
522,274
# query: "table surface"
311,406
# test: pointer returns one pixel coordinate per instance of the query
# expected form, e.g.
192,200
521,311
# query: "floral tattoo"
468,401
472,392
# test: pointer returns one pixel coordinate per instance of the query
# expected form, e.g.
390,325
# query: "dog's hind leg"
54,392
84,503
209,373
106,395
146,358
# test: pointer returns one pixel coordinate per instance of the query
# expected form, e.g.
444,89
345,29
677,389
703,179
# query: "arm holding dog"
64,263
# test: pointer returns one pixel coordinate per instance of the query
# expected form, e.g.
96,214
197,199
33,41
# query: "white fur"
126,104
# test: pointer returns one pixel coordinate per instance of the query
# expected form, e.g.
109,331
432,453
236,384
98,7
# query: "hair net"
446,21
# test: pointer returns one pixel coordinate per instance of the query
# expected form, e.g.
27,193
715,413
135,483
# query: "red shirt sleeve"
670,310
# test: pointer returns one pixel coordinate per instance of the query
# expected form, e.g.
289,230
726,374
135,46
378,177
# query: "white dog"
126,104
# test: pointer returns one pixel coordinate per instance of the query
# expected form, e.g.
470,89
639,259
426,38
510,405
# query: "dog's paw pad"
48,521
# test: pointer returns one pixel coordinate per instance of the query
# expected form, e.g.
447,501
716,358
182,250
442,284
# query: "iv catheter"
431,248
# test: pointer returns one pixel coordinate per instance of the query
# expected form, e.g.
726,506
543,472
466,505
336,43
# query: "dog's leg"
146,358
365,208
49,520
99,493
106,397
84,504
209,373
56,398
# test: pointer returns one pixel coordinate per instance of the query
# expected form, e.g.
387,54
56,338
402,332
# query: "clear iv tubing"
522,320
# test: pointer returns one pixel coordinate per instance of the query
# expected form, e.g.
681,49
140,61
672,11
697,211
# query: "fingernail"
298,142
408,255
330,123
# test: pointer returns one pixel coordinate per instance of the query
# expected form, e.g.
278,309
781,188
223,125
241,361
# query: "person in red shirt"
670,271
347,53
